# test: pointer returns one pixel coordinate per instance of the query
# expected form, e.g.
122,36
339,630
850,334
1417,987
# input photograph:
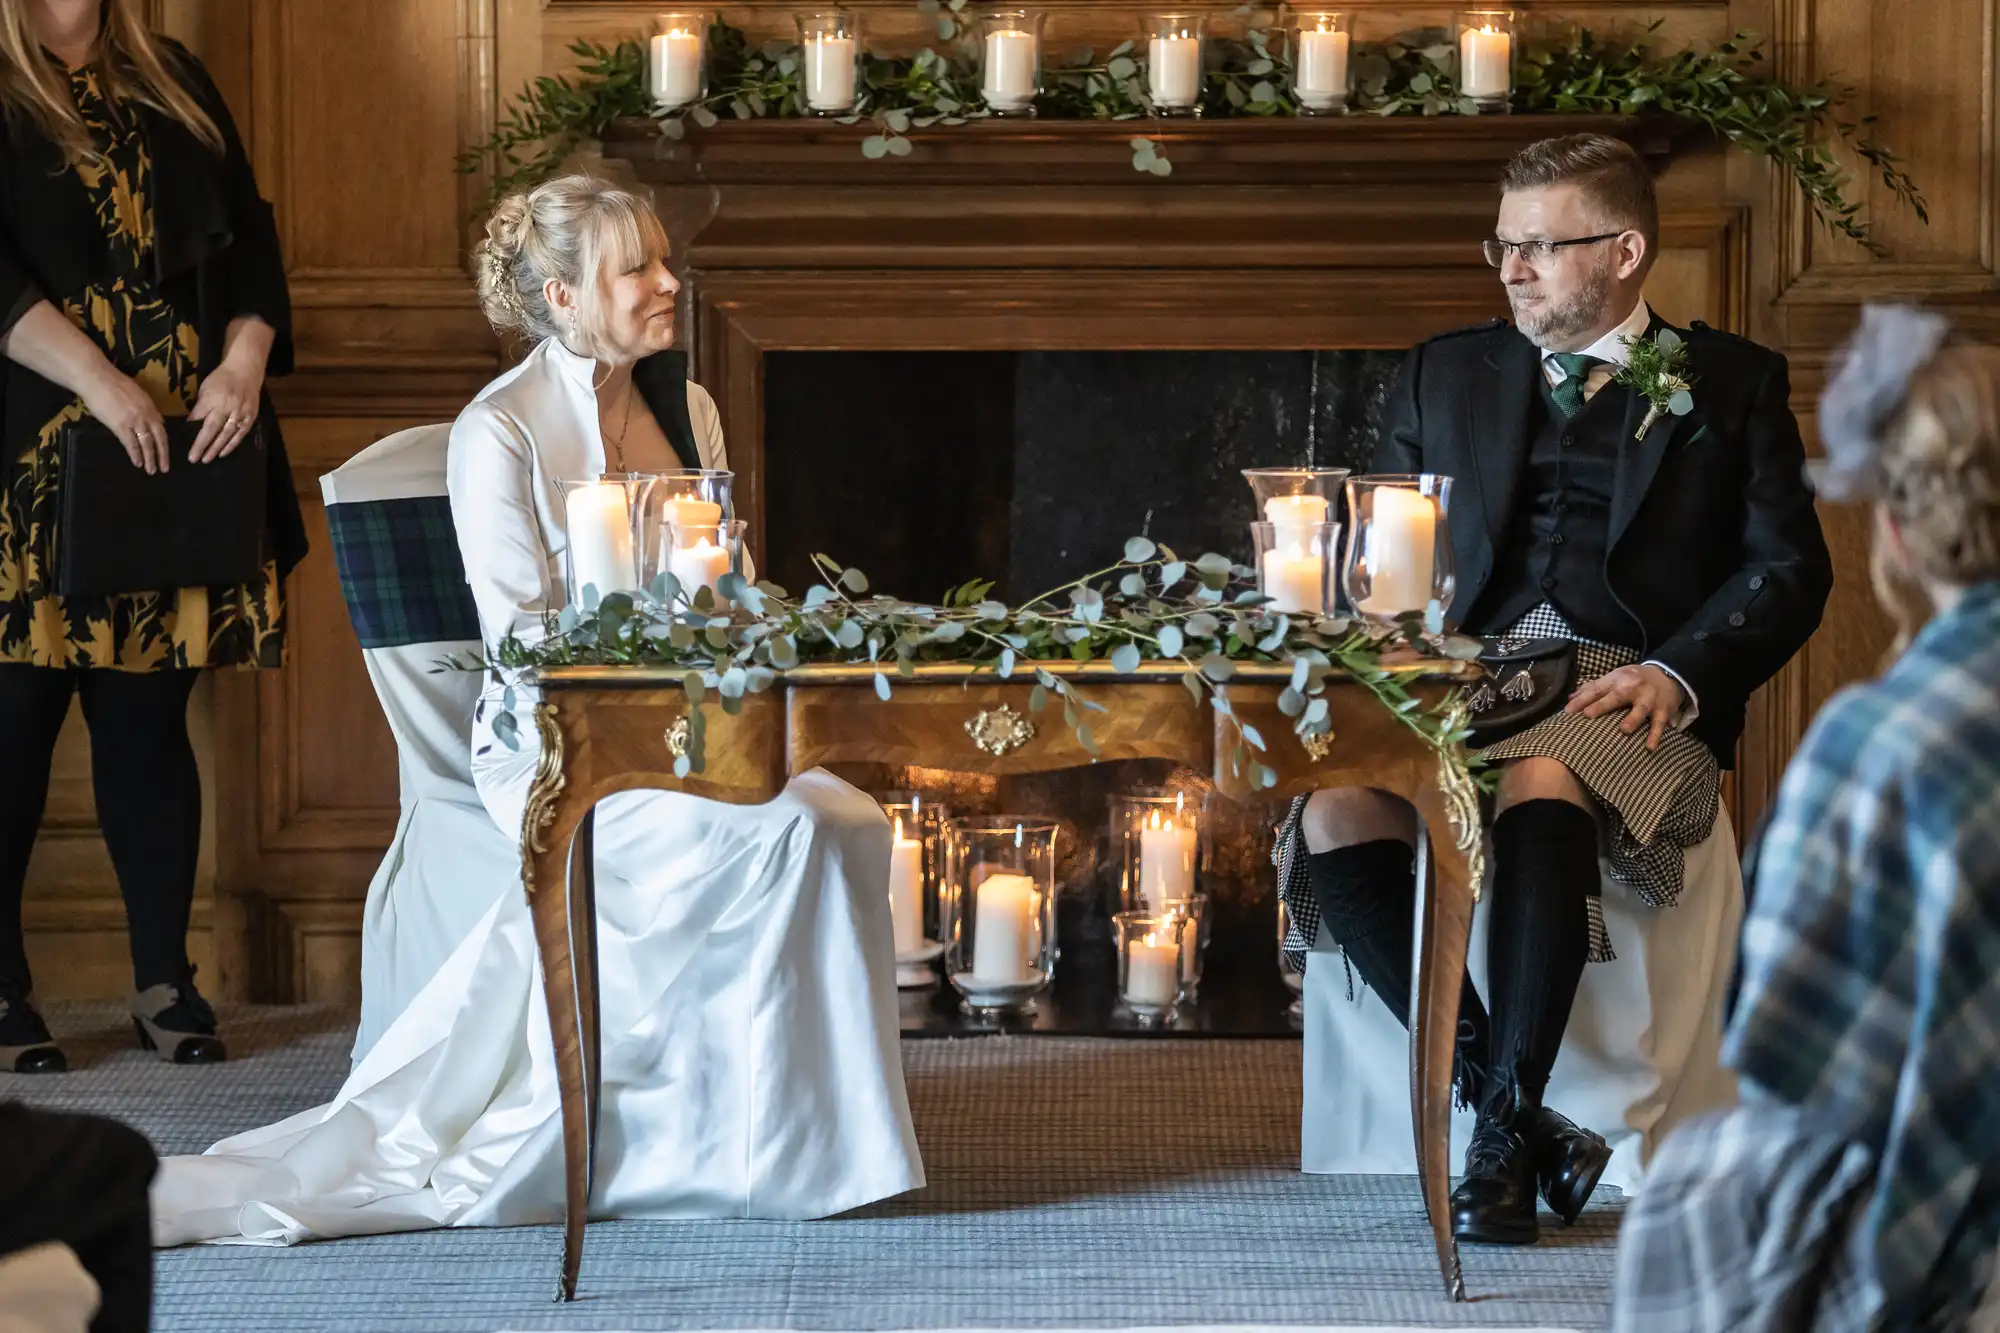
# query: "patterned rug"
1075,1183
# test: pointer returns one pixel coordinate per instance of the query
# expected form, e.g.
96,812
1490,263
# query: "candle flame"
1152,939
899,828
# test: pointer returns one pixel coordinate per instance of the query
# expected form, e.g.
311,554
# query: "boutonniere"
1657,368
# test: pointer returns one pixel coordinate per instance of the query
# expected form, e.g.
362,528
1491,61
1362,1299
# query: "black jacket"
215,257
1714,548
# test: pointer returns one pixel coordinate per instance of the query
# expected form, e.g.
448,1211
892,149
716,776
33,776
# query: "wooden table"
605,730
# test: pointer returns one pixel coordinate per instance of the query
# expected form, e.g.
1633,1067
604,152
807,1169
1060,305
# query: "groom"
1691,557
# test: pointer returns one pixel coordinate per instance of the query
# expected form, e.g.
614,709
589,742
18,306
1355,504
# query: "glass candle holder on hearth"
830,51
1486,40
996,911
1175,61
1010,48
1398,559
916,867
600,526
1150,951
1297,566
1322,40
677,58
1159,849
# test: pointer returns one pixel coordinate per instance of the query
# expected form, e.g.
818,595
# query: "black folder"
124,530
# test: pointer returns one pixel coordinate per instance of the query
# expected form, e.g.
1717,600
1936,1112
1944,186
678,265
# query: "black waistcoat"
1556,545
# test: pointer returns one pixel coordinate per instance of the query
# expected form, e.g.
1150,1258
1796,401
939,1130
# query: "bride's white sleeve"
488,471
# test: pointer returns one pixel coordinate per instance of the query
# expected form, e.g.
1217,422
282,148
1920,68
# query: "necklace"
618,445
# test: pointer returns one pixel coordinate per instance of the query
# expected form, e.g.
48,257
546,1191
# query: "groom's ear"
1634,254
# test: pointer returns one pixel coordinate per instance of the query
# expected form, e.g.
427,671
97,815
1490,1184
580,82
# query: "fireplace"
1005,353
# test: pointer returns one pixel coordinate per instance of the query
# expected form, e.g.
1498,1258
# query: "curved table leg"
1443,927
556,868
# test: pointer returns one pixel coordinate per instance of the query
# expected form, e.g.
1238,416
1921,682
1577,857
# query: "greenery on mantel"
1206,615
1726,90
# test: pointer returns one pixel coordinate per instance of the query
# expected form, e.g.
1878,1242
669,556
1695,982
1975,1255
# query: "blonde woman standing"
751,1061
140,279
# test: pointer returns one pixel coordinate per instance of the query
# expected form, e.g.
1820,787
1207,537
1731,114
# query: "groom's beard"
1556,325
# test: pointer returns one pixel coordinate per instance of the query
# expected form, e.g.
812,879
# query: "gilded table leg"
1446,870
546,828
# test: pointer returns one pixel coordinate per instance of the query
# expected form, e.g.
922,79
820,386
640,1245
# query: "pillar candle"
676,68
688,515
1005,930
906,890
1152,972
701,565
600,538
1321,77
1296,584
1400,551
1485,62
1173,70
1010,68
1297,511
830,73
1166,862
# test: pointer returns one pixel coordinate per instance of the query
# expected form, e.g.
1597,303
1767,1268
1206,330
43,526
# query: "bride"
751,1065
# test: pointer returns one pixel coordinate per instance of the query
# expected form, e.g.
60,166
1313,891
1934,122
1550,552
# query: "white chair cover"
391,524
1641,1054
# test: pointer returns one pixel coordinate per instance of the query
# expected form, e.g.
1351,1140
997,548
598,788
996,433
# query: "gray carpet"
1074,1183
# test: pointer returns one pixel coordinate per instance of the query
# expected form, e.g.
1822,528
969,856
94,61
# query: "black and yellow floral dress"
144,336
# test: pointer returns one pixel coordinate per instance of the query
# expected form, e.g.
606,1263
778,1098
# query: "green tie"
1576,372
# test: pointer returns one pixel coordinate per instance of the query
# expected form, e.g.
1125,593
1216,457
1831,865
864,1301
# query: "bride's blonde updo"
578,230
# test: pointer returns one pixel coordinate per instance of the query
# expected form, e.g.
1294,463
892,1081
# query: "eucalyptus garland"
1725,90
1206,615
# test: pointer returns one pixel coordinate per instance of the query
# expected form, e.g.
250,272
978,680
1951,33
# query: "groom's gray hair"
1609,171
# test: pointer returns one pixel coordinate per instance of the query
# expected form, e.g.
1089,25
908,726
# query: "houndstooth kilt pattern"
1655,803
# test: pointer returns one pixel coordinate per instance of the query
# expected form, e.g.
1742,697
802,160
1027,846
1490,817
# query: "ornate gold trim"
543,794
1318,744
999,731
1461,804
676,737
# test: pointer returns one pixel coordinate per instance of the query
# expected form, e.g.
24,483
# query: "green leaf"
682,766
1172,573
881,685
1217,667
1006,663
1667,339
1252,735
1038,699
1087,739
874,147
1138,550
1290,702
854,580
1161,167
1125,658
1132,585
1263,93
1170,640
1680,403
1193,681
1122,67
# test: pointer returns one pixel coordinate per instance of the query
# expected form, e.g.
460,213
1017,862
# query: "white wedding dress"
751,1065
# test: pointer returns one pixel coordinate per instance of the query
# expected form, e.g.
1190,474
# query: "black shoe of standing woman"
175,1023
25,1044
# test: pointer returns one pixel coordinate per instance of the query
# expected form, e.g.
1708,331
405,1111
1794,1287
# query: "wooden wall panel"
353,114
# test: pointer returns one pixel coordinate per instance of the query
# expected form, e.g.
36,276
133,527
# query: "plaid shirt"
1859,1184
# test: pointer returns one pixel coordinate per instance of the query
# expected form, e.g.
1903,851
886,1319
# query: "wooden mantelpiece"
1275,152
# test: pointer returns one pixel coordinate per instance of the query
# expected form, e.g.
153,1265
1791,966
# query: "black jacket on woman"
215,258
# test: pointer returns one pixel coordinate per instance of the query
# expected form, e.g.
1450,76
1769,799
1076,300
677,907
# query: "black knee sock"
33,703
1538,936
1367,898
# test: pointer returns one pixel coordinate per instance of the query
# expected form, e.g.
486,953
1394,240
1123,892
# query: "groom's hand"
1648,694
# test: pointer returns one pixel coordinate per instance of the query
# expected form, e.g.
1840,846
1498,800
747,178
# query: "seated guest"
1858,1185
78,1181
751,1065
1572,519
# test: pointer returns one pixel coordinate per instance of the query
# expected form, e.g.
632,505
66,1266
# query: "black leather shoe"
1569,1160
25,1044
175,1023
1495,1203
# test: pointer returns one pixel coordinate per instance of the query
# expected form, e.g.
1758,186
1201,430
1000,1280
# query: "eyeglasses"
1536,253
